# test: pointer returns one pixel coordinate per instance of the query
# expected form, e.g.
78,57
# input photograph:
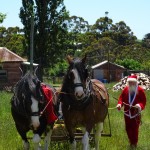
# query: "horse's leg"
85,141
73,143
99,128
36,140
37,133
48,137
26,145
71,136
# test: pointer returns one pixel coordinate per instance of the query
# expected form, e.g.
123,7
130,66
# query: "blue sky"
135,13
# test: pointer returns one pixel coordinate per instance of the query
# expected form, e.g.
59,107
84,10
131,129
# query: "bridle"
75,85
35,113
78,85
38,113
40,99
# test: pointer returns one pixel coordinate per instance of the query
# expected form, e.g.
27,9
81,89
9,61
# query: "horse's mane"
67,86
22,90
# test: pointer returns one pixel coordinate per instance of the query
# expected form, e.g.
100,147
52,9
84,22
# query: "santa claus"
134,100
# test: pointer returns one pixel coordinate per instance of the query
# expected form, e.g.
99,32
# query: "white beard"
132,88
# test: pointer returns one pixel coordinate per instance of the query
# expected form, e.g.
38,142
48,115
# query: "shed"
108,71
10,64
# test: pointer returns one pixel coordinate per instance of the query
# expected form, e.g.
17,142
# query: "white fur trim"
131,79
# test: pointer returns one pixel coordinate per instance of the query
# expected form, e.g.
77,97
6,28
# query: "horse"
29,105
84,103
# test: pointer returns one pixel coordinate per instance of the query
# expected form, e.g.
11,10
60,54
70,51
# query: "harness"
81,104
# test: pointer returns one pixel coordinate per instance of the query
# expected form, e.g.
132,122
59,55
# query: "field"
10,140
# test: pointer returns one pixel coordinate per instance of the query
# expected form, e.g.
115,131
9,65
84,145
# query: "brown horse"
84,102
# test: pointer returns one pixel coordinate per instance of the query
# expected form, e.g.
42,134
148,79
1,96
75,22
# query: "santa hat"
132,78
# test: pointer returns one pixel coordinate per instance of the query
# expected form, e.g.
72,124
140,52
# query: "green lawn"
10,140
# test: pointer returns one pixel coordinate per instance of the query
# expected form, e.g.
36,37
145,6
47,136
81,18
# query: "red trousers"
132,129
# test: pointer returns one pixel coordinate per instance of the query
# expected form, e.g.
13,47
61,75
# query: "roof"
8,56
105,62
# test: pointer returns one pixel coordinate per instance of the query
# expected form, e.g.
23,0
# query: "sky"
135,13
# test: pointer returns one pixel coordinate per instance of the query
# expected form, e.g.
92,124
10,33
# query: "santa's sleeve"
122,95
142,100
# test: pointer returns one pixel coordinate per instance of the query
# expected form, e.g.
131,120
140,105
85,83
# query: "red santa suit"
131,113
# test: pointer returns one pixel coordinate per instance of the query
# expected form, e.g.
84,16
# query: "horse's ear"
69,59
84,59
35,71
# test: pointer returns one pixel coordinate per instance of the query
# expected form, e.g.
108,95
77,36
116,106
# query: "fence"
53,80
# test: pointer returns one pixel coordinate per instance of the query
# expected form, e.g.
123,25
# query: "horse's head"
31,97
77,73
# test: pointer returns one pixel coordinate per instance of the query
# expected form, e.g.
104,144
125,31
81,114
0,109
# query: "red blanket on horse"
49,111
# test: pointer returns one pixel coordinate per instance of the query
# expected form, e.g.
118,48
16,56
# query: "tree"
146,40
102,27
2,17
49,29
102,24
76,27
13,39
100,50
129,64
122,34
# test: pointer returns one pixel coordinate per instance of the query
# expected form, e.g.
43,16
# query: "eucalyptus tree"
2,17
101,26
76,27
122,34
100,50
146,40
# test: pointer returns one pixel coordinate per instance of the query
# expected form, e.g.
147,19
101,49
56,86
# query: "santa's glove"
118,107
138,107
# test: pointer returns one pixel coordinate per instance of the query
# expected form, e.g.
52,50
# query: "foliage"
129,64
13,39
122,34
49,29
146,40
76,27
100,50
57,34
102,25
58,70
2,17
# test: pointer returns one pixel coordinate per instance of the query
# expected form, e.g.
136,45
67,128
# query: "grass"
10,140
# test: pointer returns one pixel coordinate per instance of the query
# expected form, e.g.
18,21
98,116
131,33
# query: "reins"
130,106
65,93
41,113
